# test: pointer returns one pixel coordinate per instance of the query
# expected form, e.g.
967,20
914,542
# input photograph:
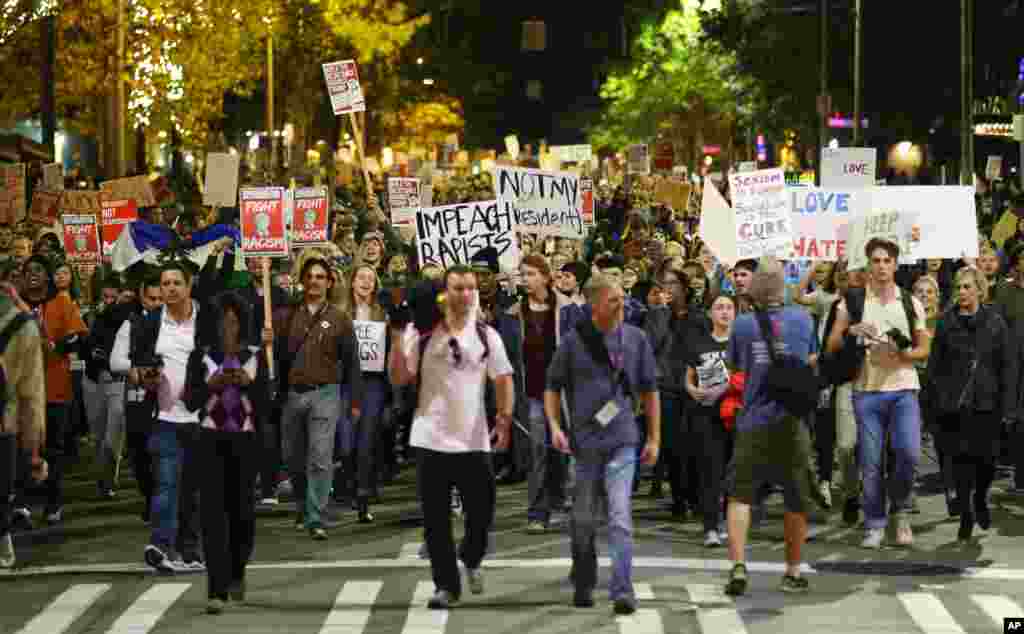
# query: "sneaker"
157,559
318,534
271,501
442,600
851,511
423,553
624,606
712,539
300,522
737,585
873,538
826,494
794,585
7,557
475,576
536,527
904,534
583,599
237,591
215,606
55,516
193,562
21,519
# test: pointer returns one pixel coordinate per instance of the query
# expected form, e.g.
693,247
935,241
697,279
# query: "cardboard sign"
53,177
221,186
893,226
672,193
116,215
372,338
343,87
135,188
310,217
821,219
848,167
638,159
453,234
81,240
404,198
587,206
544,203
994,167
80,202
263,223
12,193
45,207
945,217
762,214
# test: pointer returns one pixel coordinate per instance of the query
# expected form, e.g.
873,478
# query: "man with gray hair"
604,365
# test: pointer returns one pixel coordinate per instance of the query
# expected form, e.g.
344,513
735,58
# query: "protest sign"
427,195
544,203
404,199
453,234
747,166
45,206
80,202
993,167
135,188
664,157
53,177
310,217
895,226
718,225
1005,228
343,87
587,206
945,216
12,193
638,159
81,242
821,221
672,193
372,338
115,216
572,153
512,146
221,186
848,167
762,214
263,223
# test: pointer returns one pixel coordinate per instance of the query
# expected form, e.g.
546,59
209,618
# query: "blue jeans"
174,487
546,480
613,470
899,414
308,427
358,438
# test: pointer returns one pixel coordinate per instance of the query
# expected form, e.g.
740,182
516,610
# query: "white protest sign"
453,234
221,187
893,226
848,167
945,216
821,220
638,159
404,199
747,166
544,203
372,338
718,225
763,219
343,87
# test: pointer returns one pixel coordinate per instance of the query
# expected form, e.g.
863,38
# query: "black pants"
1016,446
57,422
683,462
825,442
138,423
10,468
227,498
716,443
473,475
191,475
972,475
270,459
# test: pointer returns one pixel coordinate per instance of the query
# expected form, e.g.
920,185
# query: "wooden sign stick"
268,316
357,131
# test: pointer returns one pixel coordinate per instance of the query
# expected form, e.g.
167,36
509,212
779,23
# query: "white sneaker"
712,539
476,580
7,557
873,538
269,502
826,493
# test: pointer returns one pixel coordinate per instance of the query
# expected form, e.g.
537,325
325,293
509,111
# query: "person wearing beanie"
771,444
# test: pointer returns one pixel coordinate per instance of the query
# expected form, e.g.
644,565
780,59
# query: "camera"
902,341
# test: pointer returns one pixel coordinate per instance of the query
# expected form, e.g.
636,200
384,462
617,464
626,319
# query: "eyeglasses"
456,352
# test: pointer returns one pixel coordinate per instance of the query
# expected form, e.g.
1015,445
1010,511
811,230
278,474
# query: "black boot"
365,517
952,504
966,525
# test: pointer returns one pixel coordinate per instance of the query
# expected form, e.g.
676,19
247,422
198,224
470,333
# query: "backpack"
843,365
481,331
19,320
790,381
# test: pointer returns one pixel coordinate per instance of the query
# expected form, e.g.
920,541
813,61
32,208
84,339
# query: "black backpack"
843,365
19,320
790,381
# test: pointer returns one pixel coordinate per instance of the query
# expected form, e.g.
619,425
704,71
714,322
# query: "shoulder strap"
765,325
830,321
422,343
908,308
855,298
11,328
593,342
481,331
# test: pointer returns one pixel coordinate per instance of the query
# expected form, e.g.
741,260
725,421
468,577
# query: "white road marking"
997,607
644,620
410,551
929,614
643,591
716,611
65,609
143,615
421,619
351,611
832,557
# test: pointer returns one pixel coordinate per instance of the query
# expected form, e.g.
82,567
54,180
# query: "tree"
678,86
422,124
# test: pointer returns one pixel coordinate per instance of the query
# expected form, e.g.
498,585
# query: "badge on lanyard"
325,324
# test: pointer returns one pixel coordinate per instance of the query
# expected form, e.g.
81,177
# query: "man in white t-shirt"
450,429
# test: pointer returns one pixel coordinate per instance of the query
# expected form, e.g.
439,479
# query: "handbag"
790,382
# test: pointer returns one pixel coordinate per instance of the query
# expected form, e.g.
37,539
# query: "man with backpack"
879,333
23,410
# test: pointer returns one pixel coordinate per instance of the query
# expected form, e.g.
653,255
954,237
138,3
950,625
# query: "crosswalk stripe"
410,551
351,611
65,609
929,614
421,619
644,620
722,617
141,616
997,607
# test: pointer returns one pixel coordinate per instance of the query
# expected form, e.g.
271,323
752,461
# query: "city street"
88,577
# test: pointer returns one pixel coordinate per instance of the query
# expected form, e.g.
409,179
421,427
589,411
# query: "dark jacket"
198,392
100,342
959,341
669,336
509,329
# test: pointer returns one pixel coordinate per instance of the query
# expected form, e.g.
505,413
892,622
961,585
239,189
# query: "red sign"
263,225
116,214
712,149
587,208
664,157
309,220
81,243
45,206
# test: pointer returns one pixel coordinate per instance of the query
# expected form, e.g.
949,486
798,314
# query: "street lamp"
419,61
428,82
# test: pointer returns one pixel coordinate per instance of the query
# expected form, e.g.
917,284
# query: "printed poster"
587,207
404,198
453,234
81,240
762,214
310,217
343,87
542,203
263,224
116,215
372,338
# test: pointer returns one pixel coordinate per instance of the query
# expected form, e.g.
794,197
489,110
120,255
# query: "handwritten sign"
892,226
404,199
821,220
53,177
763,218
12,193
116,215
221,186
135,188
81,240
453,234
80,202
945,217
309,220
343,87
544,203
45,207
263,223
372,338
573,153
638,159
848,167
